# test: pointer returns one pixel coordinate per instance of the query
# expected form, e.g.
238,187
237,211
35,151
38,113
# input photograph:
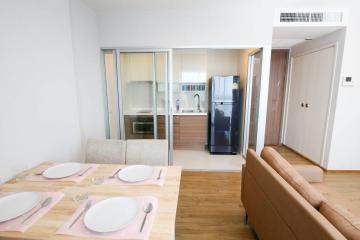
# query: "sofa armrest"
311,173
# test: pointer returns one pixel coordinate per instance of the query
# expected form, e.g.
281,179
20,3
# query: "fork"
83,172
115,173
43,205
159,176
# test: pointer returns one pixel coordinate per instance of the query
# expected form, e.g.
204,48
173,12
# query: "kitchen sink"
144,111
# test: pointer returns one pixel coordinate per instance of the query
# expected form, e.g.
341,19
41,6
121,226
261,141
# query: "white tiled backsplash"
187,100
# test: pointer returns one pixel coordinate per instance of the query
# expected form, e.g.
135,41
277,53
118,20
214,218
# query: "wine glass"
80,197
97,180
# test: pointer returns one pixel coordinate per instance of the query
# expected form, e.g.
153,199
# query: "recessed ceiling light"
308,38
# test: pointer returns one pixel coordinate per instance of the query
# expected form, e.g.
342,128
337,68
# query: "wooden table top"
46,227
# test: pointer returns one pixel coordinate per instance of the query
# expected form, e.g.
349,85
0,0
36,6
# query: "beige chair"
147,151
108,151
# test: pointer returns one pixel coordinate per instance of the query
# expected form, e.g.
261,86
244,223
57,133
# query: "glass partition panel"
161,94
254,95
143,85
113,126
136,74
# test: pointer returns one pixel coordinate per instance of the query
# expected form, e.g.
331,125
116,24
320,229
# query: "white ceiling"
101,6
285,37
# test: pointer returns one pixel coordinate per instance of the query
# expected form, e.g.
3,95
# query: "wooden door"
278,67
320,65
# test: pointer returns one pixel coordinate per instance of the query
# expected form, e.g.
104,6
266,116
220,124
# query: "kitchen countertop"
190,113
161,112
175,114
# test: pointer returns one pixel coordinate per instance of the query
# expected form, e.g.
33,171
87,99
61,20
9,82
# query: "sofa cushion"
347,223
290,175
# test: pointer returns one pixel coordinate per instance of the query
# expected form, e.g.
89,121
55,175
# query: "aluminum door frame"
248,95
168,93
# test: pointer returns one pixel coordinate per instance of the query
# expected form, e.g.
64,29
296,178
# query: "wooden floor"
210,207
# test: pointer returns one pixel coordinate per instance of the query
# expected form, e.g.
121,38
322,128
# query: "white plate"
136,173
111,215
17,204
62,170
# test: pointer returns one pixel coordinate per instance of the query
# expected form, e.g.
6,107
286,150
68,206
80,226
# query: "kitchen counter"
140,113
190,113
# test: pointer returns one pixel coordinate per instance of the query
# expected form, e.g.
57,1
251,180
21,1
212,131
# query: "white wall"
336,38
160,27
90,86
345,143
39,114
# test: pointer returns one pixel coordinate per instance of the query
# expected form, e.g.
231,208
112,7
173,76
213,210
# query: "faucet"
177,105
198,102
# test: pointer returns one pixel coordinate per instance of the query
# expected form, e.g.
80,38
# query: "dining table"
47,226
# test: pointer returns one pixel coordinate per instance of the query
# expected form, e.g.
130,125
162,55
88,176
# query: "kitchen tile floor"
203,161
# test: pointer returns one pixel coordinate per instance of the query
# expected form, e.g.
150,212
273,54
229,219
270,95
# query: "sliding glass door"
112,96
137,86
143,88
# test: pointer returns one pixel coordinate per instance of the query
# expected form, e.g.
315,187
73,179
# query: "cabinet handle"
302,104
306,105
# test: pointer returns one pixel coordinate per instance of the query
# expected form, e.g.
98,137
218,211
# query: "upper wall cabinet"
190,67
138,67
161,68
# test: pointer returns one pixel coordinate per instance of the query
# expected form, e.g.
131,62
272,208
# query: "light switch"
348,81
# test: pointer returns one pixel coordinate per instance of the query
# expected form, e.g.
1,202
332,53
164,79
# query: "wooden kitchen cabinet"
190,132
129,131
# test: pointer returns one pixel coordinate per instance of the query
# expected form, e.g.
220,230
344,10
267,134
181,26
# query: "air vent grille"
295,17
317,17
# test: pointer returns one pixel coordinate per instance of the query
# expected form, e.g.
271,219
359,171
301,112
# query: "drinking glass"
97,180
80,197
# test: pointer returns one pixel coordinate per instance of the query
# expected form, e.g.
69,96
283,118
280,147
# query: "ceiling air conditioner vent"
317,17
294,17
298,17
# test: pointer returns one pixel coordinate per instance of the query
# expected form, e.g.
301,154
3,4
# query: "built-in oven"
144,126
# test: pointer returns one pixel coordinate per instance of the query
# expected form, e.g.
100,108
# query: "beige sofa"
142,151
282,204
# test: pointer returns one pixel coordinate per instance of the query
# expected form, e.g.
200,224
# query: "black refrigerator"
224,114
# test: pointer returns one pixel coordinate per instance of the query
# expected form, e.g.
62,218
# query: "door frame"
248,96
168,93
265,72
330,108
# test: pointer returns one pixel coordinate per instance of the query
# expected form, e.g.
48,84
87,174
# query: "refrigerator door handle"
223,103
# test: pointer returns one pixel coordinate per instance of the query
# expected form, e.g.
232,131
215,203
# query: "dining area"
123,190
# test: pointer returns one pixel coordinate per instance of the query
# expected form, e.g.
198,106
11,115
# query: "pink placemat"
151,181
130,232
74,178
16,223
